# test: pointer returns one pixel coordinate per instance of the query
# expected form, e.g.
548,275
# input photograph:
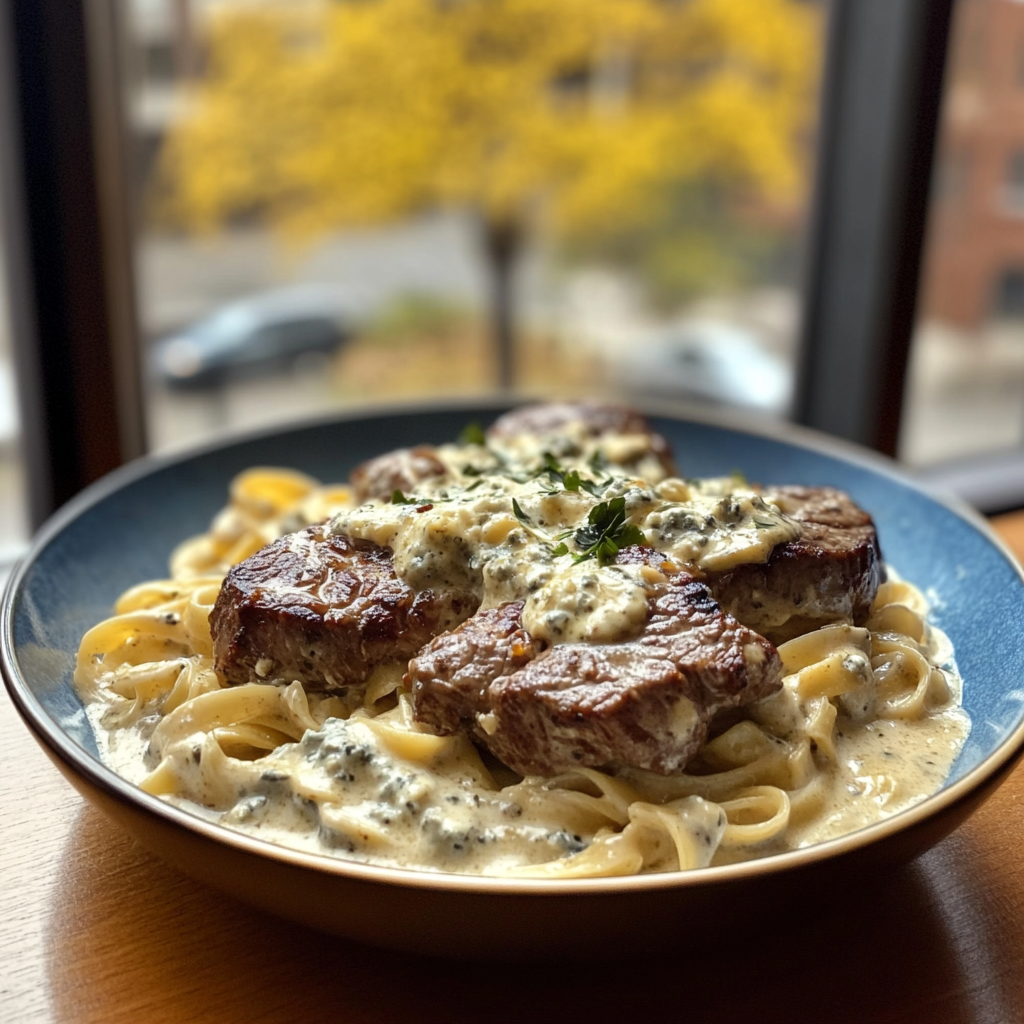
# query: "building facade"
975,268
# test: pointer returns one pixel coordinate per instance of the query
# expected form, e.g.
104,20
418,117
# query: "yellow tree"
564,112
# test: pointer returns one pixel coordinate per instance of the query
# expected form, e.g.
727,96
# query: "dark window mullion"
879,119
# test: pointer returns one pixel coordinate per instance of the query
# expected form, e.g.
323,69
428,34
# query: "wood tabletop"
95,929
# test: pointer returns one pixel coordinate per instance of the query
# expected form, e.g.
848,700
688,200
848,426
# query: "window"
615,252
966,388
1013,190
952,179
606,272
1008,300
13,512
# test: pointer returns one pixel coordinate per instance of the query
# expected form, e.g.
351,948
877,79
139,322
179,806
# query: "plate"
121,531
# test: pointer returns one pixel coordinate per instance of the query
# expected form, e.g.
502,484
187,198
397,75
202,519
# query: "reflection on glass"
13,509
966,389
352,201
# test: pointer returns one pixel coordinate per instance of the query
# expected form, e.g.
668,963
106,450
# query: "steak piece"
324,610
830,573
450,676
399,470
598,418
645,703
405,468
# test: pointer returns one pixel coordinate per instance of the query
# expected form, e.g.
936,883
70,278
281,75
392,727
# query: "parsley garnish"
569,479
550,465
398,498
520,514
551,468
606,532
473,433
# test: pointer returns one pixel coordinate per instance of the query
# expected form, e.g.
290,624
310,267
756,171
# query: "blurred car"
712,361
265,333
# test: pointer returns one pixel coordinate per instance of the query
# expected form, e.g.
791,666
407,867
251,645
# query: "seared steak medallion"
645,702
831,573
323,610
450,677
406,468
598,419
399,470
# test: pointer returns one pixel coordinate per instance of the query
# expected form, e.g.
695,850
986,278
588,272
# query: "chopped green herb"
551,468
569,479
520,514
473,433
469,470
562,549
607,532
398,498
763,526
629,535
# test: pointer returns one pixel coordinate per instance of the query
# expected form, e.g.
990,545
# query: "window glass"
966,389
13,509
348,202
1013,193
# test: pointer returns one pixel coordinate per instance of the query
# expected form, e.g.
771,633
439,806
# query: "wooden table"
94,929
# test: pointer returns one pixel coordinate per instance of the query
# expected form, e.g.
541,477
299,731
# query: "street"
965,392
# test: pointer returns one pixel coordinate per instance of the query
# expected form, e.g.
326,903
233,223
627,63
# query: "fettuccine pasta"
866,723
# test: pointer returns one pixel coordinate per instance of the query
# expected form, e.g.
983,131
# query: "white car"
713,361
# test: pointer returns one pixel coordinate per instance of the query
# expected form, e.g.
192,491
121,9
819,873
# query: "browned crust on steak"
323,610
831,573
599,418
450,676
644,703
400,470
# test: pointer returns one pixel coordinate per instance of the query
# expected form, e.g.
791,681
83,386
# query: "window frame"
882,93
66,216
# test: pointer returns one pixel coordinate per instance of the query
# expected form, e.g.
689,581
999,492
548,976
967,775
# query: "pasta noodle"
866,722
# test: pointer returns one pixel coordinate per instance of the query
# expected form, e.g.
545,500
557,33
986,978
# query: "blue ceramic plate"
122,530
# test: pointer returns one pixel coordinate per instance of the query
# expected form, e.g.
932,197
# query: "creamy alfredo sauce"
885,765
499,525
374,788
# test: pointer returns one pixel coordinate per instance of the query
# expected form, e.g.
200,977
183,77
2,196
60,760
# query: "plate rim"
61,745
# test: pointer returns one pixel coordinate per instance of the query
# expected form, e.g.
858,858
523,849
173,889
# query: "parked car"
264,333
712,361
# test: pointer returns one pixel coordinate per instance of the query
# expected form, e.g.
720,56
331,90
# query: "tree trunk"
502,243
